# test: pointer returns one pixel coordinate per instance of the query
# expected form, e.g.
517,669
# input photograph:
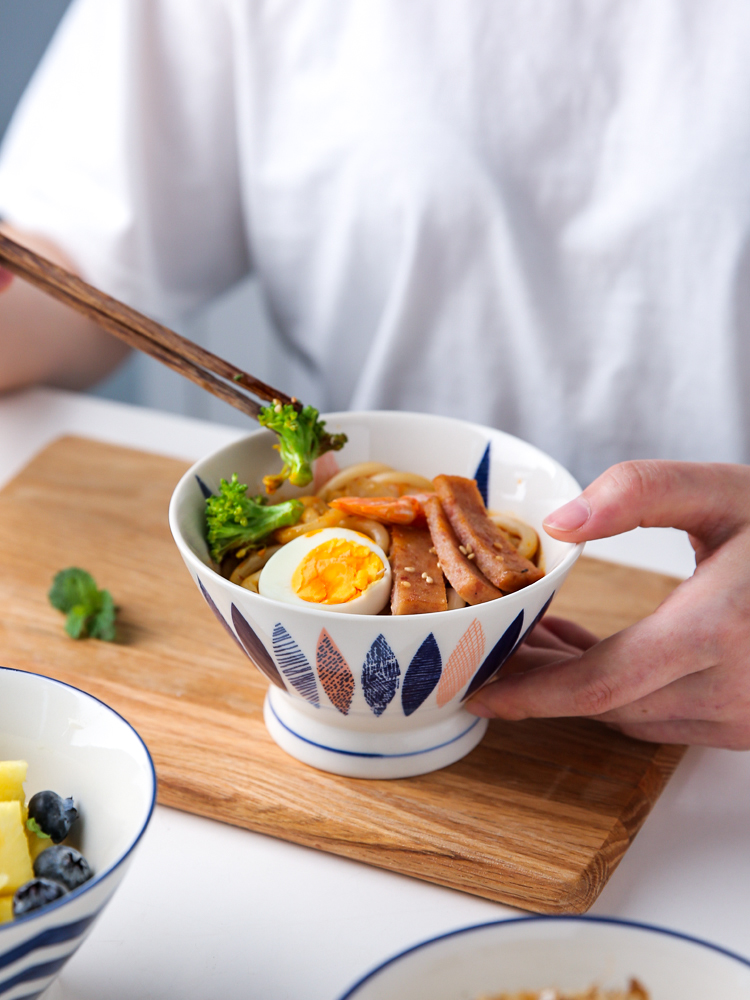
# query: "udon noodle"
368,480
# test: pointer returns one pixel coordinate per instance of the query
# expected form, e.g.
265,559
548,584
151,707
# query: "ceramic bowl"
74,745
381,696
565,953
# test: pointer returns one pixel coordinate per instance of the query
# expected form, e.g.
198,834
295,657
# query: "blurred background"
236,326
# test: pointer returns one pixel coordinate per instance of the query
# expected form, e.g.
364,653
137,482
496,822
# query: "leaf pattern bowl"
381,696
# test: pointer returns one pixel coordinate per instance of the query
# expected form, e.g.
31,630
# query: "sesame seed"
277,408
469,555
462,548
405,583
408,569
428,579
439,565
433,551
497,545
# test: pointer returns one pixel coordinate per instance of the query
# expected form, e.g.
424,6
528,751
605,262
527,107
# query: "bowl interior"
518,478
76,745
569,954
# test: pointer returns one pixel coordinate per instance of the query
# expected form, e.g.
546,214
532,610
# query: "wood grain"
538,816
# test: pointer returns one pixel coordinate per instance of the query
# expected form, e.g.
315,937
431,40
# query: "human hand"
682,675
43,340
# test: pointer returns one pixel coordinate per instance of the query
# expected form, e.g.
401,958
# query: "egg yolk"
336,571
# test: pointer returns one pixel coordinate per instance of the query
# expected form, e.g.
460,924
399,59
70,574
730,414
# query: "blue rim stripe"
55,935
356,753
539,919
99,877
43,971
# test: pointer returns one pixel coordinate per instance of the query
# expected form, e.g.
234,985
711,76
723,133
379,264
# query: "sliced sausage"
418,584
481,538
465,578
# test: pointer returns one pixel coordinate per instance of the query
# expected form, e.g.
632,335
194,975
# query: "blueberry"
63,864
53,814
35,894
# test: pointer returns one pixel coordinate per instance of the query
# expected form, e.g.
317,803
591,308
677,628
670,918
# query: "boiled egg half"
334,569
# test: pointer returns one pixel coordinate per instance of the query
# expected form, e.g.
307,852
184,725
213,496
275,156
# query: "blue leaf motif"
482,475
536,621
422,676
219,616
497,656
294,665
203,488
255,650
521,638
380,675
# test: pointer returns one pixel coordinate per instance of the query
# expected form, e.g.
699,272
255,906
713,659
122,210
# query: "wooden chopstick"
138,331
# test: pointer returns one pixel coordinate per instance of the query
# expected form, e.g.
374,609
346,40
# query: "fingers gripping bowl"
78,745
375,695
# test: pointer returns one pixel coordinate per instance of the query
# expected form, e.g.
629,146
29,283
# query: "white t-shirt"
530,213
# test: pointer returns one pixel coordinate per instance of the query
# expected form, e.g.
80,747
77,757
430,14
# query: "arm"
42,340
682,675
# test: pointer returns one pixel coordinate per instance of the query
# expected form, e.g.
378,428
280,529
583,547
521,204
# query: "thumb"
710,501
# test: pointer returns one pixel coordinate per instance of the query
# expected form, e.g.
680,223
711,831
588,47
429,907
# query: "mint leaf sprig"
33,826
90,612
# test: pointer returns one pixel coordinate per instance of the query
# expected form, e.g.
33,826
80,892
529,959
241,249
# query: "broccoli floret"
302,438
90,611
234,519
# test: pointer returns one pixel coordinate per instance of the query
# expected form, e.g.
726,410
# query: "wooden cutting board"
538,816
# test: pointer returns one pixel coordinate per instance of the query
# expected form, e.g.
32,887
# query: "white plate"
569,953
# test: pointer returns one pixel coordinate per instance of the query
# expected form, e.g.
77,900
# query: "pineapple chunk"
37,844
6,909
12,777
15,861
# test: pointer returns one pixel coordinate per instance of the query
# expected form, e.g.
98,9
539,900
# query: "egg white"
275,580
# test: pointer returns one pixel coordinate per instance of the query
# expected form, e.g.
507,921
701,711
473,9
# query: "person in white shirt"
533,216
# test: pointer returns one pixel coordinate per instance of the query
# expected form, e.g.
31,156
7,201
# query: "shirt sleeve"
124,151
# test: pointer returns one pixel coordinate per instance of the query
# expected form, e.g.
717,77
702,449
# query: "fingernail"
571,516
480,709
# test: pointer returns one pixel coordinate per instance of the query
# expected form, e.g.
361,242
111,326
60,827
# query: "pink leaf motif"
334,673
462,663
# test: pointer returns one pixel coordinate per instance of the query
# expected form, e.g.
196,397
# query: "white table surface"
210,912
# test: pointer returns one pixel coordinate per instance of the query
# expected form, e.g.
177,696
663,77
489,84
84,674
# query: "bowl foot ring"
291,730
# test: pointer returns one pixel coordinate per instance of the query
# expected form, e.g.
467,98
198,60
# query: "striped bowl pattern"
115,789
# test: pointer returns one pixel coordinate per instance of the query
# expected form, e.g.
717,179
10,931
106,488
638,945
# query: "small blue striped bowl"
74,745
550,955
